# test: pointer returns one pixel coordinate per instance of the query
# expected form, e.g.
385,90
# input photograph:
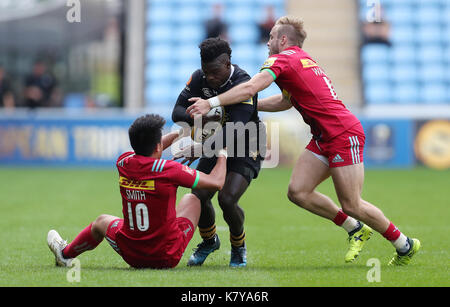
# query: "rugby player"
216,76
336,148
153,232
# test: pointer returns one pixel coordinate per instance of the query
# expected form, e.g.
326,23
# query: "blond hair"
292,27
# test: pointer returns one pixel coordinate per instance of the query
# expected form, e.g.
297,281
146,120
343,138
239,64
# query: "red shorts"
342,150
127,248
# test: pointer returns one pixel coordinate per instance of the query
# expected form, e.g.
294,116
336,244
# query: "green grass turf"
287,246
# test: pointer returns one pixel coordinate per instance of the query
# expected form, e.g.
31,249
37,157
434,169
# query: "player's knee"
202,195
296,196
226,200
100,223
191,201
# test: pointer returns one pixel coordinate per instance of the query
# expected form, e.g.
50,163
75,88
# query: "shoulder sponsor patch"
308,63
269,62
188,170
288,52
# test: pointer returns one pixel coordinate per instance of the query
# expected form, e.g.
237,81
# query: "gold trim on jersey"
250,101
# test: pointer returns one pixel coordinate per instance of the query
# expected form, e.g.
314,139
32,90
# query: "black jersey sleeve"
192,89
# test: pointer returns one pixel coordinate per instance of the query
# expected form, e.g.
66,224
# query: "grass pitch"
287,246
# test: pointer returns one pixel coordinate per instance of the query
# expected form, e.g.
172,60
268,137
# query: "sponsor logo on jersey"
308,63
136,184
288,52
269,62
188,170
286,95
207,92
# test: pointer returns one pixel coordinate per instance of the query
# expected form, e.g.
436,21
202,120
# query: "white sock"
401,244
350,224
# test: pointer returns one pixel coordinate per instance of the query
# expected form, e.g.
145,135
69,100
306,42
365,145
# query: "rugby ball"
215,119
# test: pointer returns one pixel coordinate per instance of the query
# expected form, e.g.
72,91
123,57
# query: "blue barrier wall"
64,141
97,141
389,143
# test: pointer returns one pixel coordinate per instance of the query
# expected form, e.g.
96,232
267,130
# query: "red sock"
340,218
392,233
83,242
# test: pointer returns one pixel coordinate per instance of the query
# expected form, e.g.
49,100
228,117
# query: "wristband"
223,152
214,102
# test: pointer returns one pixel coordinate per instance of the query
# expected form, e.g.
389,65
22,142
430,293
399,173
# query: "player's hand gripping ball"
211,124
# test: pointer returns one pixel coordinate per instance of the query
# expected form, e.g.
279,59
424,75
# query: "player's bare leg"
348,182
190,208
307,174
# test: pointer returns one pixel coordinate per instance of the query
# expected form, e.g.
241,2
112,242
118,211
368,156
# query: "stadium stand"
175,28
414,69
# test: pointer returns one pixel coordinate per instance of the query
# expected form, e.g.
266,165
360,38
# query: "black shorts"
247,167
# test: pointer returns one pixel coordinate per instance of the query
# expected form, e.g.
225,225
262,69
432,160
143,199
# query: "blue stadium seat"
404,73
159,33
445,14
158,92
378,93
243,53
431,53
186,53
375,53
261,54
159,13
446,33
176,27
446,56
183,71
419,56
403,34
189,33
189,13
404,93
428,14
403,53
432,73
241,14
243,33
156,53
375,72
272,90
400,14
429,34
435,93
159,72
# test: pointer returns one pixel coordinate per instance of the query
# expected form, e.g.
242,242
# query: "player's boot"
238,256
406,258
56,245
356,242
203,250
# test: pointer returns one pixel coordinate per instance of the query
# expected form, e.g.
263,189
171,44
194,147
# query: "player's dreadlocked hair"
212,48
145,133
